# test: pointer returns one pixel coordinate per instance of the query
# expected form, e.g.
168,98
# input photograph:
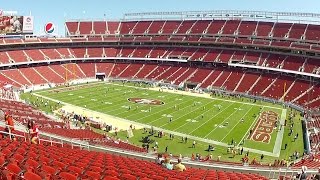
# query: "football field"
218,119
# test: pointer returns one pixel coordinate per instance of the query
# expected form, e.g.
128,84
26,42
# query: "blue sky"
57,11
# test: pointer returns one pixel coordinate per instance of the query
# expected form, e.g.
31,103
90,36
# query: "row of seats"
93,138
35,162
272,86
22,113
287,62
170,38
42,75
314,122
311,161
278,87
227,27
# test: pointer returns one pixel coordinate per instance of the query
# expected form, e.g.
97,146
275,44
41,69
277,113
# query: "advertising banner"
27,24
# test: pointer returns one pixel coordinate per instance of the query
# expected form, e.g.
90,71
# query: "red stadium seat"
67,176
31,176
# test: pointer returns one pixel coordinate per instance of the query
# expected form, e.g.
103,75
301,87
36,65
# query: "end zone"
264,127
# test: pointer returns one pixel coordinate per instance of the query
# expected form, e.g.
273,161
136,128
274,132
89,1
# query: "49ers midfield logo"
146,101
264,126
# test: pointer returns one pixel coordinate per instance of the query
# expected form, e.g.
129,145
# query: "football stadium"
164,95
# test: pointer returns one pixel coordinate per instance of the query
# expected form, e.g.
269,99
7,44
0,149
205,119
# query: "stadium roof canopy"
308,18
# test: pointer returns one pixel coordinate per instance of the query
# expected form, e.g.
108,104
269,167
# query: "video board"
16,25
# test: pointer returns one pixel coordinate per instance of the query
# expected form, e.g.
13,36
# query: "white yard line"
115,95
142,116
167,109
253,123
132,113
190,113
221,122
236,124
210,118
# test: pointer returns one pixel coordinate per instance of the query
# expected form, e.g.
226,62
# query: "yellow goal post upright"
284,90
66,73
72,71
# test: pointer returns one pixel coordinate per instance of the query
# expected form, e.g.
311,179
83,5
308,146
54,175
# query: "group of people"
40,102
32,129
166,163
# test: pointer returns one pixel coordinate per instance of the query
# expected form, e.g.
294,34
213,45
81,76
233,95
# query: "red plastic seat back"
67,176
92,174
31,176
14,168
128,177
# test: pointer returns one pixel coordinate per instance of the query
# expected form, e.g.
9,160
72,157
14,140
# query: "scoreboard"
12,24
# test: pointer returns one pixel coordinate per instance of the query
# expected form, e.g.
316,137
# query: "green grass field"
217,118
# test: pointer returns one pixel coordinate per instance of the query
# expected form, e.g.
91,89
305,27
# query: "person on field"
194,144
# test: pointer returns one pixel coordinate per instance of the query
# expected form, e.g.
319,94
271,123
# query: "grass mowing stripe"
196,114
114,103
226,124
151,95
210,118
158,111
152,109
170,108
253,123
177,115
236,124
192,112
222,122
207,115
241,128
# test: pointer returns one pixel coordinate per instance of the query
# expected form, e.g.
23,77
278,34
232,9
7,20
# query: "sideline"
278,143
